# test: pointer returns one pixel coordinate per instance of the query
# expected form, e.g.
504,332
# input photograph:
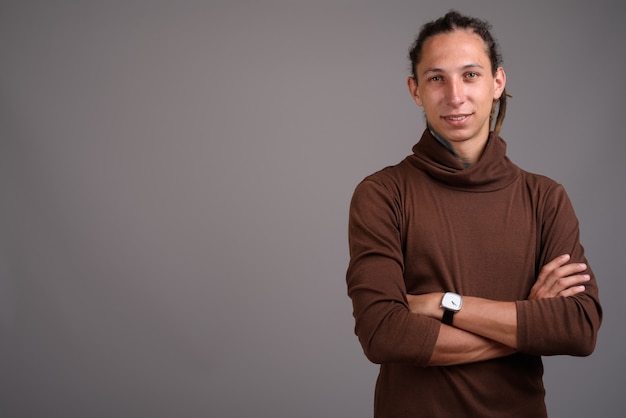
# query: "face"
456,86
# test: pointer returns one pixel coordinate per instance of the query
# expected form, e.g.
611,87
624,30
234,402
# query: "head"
449,24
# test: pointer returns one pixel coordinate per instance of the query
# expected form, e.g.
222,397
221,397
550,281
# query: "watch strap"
447,316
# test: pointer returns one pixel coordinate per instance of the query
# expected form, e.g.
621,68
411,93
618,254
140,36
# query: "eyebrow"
440,70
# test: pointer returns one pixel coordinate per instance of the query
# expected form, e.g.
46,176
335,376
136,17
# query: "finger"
569,282
571,291
554,286
554,264
571,268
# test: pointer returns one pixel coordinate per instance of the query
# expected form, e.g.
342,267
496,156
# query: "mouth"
456,120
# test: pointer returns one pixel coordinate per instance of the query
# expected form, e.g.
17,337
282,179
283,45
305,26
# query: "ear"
414,90
499,83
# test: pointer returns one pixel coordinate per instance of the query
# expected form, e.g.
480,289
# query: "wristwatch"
451,303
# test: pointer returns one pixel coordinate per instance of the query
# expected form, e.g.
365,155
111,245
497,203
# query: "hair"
452,21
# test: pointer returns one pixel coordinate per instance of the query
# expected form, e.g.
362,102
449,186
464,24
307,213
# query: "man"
465,269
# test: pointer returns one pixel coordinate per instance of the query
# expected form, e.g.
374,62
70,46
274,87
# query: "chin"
455,135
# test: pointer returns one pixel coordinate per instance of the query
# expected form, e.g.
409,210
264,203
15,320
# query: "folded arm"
558,317
456,346
485,329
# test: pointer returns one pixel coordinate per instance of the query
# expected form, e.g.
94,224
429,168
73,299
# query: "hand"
559,278
428,304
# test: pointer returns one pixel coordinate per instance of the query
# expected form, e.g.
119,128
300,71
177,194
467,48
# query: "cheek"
429,99
489,95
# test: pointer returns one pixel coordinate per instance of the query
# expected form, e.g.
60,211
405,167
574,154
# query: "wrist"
438,309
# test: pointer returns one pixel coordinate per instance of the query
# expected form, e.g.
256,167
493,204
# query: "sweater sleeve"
563,325
387,330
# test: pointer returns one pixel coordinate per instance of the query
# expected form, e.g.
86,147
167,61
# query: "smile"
456,118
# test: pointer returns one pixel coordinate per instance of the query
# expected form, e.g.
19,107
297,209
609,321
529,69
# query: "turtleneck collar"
492,171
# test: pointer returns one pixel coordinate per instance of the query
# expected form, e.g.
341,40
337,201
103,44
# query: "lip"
457,119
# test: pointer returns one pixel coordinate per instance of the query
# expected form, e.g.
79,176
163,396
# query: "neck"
467,152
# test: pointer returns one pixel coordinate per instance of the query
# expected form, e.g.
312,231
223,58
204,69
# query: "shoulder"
541,184
390,178
382,188
548,194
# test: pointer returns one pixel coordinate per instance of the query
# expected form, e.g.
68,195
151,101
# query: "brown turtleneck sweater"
429,224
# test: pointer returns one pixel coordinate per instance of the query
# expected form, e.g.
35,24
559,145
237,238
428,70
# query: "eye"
435,78
471,75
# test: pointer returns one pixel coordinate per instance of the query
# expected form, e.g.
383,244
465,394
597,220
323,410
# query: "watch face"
452,301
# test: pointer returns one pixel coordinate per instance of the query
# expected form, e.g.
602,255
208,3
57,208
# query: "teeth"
456,118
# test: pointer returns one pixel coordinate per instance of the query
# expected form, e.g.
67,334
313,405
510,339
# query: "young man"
464,268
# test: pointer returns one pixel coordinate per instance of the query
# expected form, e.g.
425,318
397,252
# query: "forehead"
451,49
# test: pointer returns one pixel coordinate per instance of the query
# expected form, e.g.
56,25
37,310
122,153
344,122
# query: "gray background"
175,180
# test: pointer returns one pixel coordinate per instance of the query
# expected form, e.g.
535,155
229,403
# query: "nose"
455,92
